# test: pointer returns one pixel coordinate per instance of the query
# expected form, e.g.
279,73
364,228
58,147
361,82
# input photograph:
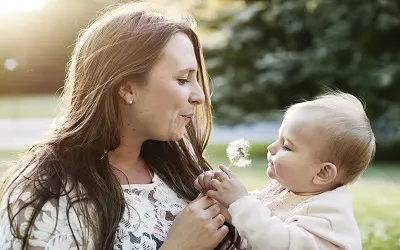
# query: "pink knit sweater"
276,218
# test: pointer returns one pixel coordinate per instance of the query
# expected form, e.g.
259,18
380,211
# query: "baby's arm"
254,221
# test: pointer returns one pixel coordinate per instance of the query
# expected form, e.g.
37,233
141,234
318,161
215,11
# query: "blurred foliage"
388,151
262,54
277,52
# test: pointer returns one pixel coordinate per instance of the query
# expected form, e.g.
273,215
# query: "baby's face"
293,157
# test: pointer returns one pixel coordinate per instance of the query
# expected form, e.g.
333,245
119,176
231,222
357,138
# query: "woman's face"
165,104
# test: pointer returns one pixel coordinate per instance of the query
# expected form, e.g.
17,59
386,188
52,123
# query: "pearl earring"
130,102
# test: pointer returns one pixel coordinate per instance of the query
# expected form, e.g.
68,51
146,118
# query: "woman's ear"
127,92
327,174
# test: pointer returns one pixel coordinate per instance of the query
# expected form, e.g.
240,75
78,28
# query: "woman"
121,166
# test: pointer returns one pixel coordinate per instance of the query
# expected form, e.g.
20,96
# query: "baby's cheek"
286,171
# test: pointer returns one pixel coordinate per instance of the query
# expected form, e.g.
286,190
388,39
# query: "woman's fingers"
201,195
219,220
211,214
201,202
222,232
224,211
213,211
196,227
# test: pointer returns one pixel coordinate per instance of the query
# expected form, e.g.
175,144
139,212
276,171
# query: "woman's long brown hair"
122,44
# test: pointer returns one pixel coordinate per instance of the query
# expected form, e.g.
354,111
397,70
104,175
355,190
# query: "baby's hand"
203,181
228,189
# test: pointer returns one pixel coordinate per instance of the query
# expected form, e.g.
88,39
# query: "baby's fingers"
213,194
227,171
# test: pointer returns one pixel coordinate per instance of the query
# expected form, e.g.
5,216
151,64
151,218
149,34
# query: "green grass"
28,106
376,196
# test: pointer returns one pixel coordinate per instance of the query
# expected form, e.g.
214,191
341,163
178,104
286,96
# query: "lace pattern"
148,215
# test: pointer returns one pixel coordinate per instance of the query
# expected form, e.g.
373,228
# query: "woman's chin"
170,137
177,136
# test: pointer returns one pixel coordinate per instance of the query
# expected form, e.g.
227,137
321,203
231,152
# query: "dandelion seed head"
238,151
242,163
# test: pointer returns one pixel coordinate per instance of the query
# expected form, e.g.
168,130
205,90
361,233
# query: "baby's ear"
327,174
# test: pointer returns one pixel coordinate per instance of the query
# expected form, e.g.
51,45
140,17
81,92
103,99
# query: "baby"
323,145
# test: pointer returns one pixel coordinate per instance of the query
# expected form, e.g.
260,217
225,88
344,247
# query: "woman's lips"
187,117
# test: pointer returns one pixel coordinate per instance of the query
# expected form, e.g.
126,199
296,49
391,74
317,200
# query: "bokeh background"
262,55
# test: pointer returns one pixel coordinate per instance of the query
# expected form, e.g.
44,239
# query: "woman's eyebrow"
189,69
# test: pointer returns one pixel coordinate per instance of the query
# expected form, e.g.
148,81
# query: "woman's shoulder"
17,185
48,218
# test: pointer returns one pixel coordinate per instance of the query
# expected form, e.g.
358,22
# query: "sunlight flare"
7,6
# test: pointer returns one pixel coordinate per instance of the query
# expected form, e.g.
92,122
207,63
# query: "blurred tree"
276,52
262,54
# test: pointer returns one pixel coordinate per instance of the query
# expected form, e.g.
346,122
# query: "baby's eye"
183,81
286,148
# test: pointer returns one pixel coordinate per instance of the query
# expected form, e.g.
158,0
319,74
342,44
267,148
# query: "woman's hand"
200,226
224,211
203,184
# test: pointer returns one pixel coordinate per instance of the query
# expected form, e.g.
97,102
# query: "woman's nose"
197,95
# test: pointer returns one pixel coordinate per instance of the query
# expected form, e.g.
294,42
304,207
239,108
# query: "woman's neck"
127,164
124,156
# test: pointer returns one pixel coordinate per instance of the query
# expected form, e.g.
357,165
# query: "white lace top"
148,215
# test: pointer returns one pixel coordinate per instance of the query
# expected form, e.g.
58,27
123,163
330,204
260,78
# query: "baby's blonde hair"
350,142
